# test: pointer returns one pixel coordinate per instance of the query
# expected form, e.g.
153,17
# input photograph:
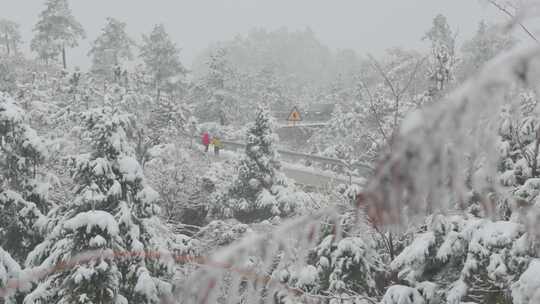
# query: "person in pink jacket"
206,141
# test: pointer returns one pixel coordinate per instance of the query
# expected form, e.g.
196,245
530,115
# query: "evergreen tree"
220,103
483,46
55,31
169,117
260,190
116,248
518,149
156,122
111,47
343,135
443,49
8,76
440,34
351,263
160,56
465,258
345,262
10,36
269,88
22,195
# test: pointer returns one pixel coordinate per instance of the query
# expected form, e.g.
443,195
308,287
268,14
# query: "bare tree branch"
378,119
413,74
507,12
394,88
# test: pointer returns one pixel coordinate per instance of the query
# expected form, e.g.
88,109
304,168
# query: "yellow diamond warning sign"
295,115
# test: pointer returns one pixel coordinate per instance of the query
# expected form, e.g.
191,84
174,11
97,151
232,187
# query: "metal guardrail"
303,125
291,154
234,146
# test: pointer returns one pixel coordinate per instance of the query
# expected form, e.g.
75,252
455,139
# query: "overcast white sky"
363,25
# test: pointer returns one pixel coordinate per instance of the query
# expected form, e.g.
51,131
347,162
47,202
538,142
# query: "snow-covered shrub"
399,294
421,255
173,172
496,257
221,233
9,270
215,187
467,258
527,289
348,264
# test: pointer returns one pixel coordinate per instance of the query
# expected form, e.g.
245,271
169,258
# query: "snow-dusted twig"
514,19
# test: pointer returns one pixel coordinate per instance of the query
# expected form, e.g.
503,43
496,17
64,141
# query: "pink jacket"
206,139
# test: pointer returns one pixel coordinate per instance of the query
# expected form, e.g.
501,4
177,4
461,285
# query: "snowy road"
316,179
306,176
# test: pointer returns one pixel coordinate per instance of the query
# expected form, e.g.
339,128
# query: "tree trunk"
391,246
7,45
222,118
158,89
534,167
64,57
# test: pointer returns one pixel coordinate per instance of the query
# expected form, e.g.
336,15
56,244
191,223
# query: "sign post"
294,117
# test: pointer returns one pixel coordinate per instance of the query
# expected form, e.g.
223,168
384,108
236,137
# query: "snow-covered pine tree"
488,41
156,122
347,267
23,198
113,247
8,81
465,258
112,47
56,30
220,103
160,56
170,116
260,191
344,136
443,45
257,172
10,36
269,89
144,132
